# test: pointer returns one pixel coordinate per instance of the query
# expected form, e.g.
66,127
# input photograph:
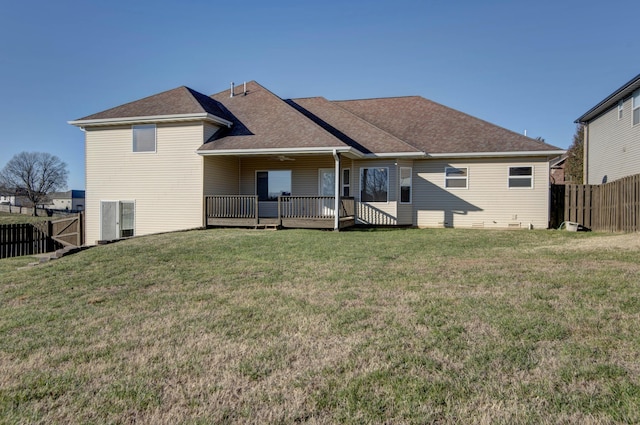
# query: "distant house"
245,157
556,170
612,135
71,200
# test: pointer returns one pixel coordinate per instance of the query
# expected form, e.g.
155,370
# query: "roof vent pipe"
232,85
245,88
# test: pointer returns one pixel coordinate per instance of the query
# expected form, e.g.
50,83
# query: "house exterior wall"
221,175
487,201
166,186
613,146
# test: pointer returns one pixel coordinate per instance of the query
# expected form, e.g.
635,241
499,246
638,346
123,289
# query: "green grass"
369,326
7,218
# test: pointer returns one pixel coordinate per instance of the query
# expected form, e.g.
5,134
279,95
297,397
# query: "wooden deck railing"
289,207
232,206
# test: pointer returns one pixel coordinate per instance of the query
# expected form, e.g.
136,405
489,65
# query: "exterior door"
327,187
117,219
109,220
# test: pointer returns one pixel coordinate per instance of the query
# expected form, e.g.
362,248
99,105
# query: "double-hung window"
346,182
144,138
520,177
374,184
456,177
635,106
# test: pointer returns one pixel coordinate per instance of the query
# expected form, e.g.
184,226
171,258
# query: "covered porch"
307,212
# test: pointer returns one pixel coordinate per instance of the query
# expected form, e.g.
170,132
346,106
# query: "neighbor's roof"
611,100
181,101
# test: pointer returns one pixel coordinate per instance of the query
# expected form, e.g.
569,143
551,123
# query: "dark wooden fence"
29,239
608,207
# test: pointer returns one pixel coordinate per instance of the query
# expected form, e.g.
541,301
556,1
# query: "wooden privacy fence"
29,239
608,207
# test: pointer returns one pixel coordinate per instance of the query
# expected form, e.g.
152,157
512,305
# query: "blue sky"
523,65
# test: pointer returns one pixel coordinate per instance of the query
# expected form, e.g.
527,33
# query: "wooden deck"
303,212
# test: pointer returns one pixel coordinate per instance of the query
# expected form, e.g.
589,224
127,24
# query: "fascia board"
496,154
281,151
152,119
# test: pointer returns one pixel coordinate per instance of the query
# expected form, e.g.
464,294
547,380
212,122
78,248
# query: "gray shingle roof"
434,128
181,100
261,120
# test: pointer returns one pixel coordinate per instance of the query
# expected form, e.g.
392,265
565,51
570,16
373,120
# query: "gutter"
152,119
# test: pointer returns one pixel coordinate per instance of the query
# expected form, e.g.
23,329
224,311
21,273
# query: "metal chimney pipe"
245,88
232,85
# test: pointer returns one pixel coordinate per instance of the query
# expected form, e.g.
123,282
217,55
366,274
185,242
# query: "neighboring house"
612,135
556,170
181,159
71,200
6,199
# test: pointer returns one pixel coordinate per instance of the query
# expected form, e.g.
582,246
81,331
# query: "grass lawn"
7,218
386,326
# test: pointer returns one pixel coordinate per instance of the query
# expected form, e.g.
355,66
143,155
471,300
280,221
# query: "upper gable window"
636,107
144,138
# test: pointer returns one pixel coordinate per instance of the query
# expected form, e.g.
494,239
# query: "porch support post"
336,223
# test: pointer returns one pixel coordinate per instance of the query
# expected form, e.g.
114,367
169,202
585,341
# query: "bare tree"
34,174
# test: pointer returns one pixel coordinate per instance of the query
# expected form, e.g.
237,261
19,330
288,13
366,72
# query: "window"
521,177
346,182
126,219
144,138
374,184
456,178
620,109
271,184
405,185
636,107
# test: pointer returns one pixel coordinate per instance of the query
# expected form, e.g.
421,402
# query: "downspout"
336,222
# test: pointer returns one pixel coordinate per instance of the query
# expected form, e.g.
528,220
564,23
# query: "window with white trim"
374,184
405,185
635,106
346,182
144,138
520,177
127,219
456,177
620,109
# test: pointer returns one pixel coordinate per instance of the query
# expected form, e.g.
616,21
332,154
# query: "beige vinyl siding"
487,201
614,146
166,185
221,175
377,213
209,130
304,172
